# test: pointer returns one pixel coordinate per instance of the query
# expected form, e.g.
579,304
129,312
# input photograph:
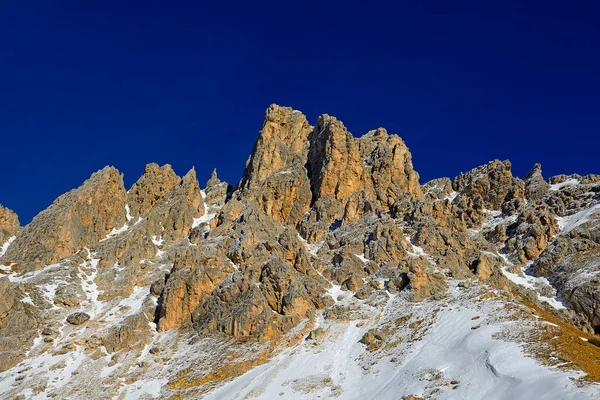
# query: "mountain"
328,271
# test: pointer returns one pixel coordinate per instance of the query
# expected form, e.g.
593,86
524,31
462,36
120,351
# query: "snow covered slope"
458,348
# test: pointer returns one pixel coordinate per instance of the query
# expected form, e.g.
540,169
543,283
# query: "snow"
496,218
529,281
129,217
568,223
16,278
115,232
131,305
27,299
312,248
583,276
362,258
417,251
5,245
451,196
87,274
207,217
568,182
338,366
109,369
336,292
49,292
41,365
157,240
143,387
135,301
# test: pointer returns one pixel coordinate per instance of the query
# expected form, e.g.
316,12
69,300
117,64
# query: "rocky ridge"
323,229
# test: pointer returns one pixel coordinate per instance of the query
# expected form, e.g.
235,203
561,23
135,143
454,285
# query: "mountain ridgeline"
323,230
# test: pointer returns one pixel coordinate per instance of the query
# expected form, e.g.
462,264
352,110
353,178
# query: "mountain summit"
328,271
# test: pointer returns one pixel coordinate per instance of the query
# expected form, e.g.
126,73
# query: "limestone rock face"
281,143
389,165
18,325
535,229
438,189
275,175
334,160
568,260
571,261
155,183
173,218
326,236
353,177
493,182
187,288
77,219
340,165
9,224
535,185
216,192
132,333
313,177
78,318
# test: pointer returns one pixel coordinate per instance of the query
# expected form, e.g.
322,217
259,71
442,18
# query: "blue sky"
125,83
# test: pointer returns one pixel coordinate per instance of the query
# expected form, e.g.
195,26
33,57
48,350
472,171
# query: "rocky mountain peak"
334,161
281,144
494,184
535,185
154,184
77,219
214,180
9,224
328,254
294,166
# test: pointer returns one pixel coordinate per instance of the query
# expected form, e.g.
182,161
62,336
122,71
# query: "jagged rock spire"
535,185
294,166
154,184
214,179
9,224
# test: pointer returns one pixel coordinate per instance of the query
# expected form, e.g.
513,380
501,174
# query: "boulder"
78,318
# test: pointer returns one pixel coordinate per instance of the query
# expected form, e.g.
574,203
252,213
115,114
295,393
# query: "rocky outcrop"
535,185
132,333
294,166
334,161
275,176
572,263
216,192
18,325
494,184
389,166
9,224
78,318
533,231
322,227
188,287
77,219
154,184
378,163
173,218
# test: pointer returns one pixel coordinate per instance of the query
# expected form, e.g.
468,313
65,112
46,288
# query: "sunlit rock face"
328,271
9,224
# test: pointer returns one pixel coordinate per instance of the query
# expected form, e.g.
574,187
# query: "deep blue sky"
86,84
